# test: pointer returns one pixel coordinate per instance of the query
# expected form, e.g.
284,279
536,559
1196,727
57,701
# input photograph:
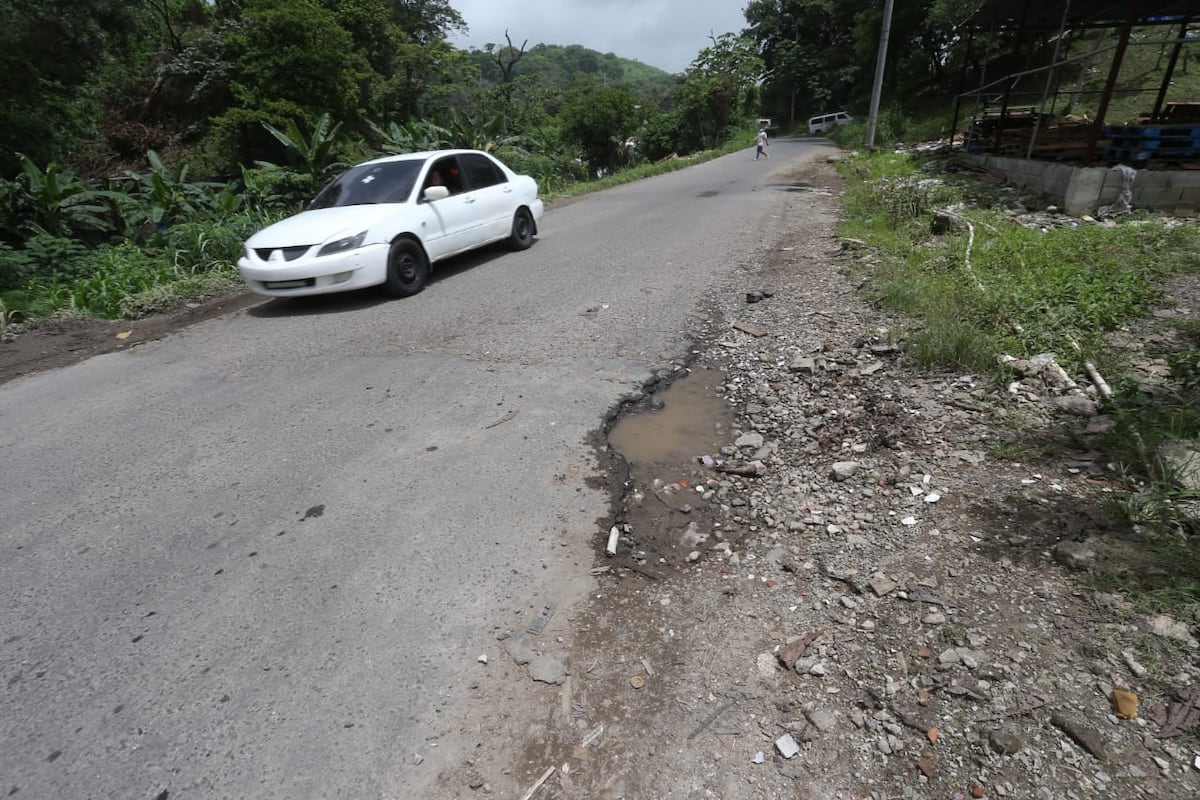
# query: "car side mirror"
436,193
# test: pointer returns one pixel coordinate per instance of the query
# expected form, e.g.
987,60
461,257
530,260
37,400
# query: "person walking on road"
762,144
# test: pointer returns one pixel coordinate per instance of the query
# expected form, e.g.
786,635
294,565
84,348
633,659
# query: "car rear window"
367,184
480,171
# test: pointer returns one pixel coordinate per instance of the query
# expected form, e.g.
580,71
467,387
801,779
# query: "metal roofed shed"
1042,36
1024,107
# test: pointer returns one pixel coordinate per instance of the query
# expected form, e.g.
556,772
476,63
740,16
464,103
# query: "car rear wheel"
522,230
407,270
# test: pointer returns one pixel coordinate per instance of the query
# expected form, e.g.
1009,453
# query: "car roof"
424,155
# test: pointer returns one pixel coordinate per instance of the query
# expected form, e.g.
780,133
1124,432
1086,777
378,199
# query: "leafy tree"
407,50
810,53
50,50
287,60
600,119
718,90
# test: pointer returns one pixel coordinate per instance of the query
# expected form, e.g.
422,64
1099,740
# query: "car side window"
445,172
480,171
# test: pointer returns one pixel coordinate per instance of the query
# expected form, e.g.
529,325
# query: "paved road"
259,558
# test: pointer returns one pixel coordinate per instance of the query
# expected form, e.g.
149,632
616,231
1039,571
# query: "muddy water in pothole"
693,421
667,504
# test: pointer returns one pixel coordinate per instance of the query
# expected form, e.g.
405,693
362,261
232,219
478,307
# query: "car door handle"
469,200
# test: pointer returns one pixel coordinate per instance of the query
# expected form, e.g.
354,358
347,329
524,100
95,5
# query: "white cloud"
663,33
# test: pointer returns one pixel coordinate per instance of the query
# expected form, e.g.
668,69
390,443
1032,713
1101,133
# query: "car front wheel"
407,269
522,230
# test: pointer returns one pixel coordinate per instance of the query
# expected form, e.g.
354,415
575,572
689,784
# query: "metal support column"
1170,73
1037,121
1008,85
1135,12
962,82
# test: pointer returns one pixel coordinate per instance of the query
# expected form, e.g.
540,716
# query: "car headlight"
347,243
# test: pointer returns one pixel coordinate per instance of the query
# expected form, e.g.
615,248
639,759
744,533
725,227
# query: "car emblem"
276,256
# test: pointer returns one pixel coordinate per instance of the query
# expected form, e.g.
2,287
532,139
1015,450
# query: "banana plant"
486,135
415,136
60,202
164,196
312,155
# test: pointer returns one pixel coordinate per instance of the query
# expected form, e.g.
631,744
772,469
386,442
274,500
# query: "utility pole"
873,118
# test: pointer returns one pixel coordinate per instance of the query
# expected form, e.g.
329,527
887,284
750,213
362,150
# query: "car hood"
323,224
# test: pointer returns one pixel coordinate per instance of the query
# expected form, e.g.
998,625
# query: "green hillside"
557,65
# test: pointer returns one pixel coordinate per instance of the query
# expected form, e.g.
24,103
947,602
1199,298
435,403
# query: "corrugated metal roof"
1048,14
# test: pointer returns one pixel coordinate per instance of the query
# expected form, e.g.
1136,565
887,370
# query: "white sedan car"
386,221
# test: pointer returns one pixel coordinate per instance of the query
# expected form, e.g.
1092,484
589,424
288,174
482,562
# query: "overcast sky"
663,33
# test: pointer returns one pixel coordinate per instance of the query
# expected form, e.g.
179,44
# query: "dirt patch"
51,344
881,608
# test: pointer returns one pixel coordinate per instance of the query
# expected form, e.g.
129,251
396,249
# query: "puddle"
693,421
669,500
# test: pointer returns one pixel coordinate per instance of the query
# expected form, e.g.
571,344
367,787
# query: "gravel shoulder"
877,607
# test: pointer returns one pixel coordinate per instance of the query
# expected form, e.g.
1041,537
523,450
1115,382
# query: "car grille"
299,283
289,253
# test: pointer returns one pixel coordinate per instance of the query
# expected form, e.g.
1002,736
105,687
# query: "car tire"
522,230
407,269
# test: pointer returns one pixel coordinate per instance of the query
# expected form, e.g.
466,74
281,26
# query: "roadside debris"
756,331
538,784
1125,704
591,738
541,621
614,535
506,418
787,746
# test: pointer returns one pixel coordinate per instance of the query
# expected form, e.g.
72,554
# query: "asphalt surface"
260,558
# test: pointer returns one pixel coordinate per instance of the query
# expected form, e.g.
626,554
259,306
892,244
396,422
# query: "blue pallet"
1142,154
1155,144
1164,131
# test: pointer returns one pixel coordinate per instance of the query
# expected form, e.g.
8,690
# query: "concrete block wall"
1080,190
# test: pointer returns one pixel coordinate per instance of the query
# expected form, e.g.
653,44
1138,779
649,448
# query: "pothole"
796,186
668,510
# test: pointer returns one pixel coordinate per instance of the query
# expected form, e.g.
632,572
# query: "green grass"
128,279
1017,290
1009,289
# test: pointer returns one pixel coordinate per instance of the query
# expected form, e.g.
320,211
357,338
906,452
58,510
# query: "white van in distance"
827,122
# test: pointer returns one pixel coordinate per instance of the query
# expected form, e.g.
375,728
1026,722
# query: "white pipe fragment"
613,535
1097,379
593,736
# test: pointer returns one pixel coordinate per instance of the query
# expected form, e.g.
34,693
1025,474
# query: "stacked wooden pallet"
1053,142
993,129
1181,114
1161,142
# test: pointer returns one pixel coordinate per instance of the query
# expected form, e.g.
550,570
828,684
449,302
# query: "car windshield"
386,182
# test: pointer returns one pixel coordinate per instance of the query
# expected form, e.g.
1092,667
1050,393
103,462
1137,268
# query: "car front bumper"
308,275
